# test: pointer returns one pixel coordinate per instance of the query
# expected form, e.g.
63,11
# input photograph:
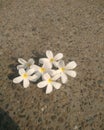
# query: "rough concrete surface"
74,27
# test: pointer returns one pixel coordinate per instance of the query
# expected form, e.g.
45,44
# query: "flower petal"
64,78
56,72
56,85
71,65
20,66
26,83
55,64
17,79
22,71
61,64
47,65
42,84
38,74
22,61
43,60
33,78
30,71
46,76
71,73
31,61
58,56
55,77
49,89
51,72
49,54
35,67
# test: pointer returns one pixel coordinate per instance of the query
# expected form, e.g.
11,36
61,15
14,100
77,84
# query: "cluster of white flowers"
52,68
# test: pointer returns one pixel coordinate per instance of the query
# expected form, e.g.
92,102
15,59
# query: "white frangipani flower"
25,76
49,83
51,60
25,64
63,70
40,71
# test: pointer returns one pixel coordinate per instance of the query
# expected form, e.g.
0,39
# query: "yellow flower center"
42,70
62,69
49,80
52,59
25,75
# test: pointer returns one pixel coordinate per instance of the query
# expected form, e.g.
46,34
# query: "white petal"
22,71
17,79
46,76
47,65
31,61
55,72
30,71
50,72
61,64
20,66
71,73
38,74
71,65
49,89
49,54
42,84
26,83
55,77
64,78
33,78
43,60
22,61
55,64
56,85
35,67
58,56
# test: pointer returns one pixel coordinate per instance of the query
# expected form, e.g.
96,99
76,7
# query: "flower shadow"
6,122
14,72
37,56
13,68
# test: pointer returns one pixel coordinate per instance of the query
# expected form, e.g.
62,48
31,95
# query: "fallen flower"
51,60
25,64
25,76
49,83
63,70
40,71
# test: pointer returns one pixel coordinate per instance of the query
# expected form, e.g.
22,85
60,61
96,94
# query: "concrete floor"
74,27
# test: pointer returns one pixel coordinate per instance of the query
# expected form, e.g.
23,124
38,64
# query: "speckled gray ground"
74,27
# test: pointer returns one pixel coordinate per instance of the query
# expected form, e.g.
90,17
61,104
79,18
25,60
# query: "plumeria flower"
51,60
49,83
63,70
40,71
25,64
25,76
